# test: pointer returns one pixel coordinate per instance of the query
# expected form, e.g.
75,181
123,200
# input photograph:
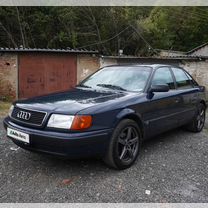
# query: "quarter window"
182,80
163,76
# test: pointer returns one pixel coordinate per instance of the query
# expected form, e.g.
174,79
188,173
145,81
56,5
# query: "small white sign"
18,135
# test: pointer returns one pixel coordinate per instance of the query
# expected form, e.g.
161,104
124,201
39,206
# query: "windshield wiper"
110,86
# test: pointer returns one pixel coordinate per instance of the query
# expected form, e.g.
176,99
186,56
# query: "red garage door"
45,73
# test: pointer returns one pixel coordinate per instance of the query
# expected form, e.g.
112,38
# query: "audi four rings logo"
24,115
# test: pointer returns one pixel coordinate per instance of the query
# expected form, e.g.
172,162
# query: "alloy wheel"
200,118
128,144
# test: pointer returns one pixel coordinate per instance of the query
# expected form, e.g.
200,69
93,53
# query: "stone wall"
86,65
108,61
8,76
198,69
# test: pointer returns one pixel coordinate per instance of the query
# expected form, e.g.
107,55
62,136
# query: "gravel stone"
173,166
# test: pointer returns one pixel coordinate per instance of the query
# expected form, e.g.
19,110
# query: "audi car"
109,114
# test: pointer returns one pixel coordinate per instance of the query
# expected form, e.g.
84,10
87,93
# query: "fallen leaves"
67,181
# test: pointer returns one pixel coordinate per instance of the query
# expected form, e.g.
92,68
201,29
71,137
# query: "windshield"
119,78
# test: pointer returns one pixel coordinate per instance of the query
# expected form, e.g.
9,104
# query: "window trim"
146,84
195,84
152,76
185,72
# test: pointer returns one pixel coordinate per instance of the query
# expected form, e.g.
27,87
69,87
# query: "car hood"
71,101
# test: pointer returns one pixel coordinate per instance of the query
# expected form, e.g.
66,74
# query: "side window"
182,80
163,76
193,82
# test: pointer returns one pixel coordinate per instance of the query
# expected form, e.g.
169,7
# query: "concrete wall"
108,61
8,76
147,61
86,65
171,53
198,69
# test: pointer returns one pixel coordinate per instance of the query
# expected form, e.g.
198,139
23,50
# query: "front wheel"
198,121
124,146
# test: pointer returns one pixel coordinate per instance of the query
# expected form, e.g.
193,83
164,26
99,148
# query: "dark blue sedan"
110,113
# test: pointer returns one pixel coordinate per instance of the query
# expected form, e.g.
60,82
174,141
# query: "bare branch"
9,35
21,30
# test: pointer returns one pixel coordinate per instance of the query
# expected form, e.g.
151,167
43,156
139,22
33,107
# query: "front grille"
36,117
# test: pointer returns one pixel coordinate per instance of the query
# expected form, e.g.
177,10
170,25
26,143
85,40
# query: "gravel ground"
171,168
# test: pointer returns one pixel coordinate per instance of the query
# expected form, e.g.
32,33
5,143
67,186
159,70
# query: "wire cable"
105,41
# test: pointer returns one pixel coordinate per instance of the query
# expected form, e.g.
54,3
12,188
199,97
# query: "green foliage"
176,28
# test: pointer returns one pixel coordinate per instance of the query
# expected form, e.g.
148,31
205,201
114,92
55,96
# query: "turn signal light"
81,122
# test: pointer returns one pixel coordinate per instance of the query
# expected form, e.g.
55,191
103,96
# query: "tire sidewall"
122,125
200,107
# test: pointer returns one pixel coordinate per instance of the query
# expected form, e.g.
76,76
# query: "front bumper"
74,145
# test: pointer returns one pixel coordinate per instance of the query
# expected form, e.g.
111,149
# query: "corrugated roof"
197,48
189,57
185,57
185,53
169,51
48,50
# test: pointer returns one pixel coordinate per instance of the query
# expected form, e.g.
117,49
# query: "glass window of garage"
163,76
182,80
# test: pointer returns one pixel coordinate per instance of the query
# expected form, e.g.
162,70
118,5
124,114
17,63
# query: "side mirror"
202,88
159,88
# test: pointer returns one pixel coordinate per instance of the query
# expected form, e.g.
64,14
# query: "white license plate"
18,135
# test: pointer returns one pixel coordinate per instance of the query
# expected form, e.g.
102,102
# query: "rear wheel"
124,146
198,121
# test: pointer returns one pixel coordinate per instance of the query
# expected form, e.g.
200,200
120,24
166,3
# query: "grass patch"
4,108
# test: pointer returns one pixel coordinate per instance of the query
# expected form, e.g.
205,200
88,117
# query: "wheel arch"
203,102
132,115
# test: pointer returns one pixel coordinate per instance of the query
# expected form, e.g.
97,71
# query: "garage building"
28,72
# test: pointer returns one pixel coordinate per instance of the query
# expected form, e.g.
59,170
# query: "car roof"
154,66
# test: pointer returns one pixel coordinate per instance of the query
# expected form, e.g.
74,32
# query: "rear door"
188,93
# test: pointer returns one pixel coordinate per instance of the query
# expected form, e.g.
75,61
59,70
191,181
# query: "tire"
197,124
124,146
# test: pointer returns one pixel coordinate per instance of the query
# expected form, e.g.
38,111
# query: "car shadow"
167,137
96,164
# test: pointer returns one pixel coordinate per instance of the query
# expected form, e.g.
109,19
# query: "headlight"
78,122
60,121
10,110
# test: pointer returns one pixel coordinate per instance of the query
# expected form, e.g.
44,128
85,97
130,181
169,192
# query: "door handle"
177,100
193,100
